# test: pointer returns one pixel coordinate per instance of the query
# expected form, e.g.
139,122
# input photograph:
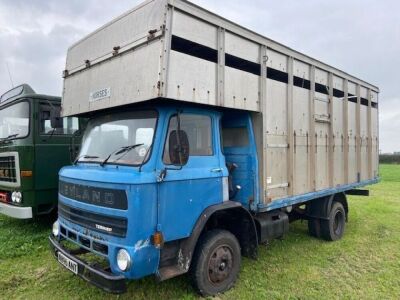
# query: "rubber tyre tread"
199,273
327,231
314,227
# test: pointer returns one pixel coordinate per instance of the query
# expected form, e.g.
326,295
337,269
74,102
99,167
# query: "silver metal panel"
241,89
276,169
364,92
220,84
301,116
290,117
130,28
375,142
193,29
338,83
192,79
352,137
277,119
243,48
277,60
139,78
346,131
338,142
364,142
301,69
277,134
301,164
374,97
352,88
311,121
321,76
322,154
262,138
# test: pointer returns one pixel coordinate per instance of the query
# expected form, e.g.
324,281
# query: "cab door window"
199,132
69,124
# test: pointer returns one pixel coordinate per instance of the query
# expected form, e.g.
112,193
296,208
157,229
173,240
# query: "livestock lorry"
205,140
34,145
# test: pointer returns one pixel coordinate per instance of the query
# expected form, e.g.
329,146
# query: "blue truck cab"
146,184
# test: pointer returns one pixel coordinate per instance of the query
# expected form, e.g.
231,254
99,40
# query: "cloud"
361,37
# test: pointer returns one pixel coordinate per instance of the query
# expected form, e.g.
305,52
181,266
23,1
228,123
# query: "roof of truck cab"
42,96
25,91
32,96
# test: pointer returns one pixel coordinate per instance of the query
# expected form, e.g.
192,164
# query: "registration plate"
68,263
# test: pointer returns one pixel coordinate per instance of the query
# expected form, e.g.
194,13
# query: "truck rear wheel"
333,229
216,262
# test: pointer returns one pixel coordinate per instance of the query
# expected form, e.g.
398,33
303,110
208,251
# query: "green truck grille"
8,171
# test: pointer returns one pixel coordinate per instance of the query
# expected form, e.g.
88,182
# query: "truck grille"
8,171
116,226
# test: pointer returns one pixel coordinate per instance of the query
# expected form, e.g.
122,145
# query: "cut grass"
364,264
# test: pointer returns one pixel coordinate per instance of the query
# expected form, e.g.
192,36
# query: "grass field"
365,264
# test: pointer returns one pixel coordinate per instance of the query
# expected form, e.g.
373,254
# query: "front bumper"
115,284
15,211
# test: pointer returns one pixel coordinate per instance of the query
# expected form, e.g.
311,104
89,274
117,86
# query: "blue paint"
186,192
314,195
246,175
144,255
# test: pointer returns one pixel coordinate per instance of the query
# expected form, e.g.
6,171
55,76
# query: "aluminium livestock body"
261,131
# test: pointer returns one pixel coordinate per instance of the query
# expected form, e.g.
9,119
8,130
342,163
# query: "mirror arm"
163,173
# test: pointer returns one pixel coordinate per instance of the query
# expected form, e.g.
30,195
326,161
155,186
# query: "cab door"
186,190
51,152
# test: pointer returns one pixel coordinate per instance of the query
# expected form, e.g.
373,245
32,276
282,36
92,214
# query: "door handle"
162,175
216,170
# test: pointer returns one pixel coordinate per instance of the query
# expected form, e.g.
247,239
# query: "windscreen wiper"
9,137
119,151
85,157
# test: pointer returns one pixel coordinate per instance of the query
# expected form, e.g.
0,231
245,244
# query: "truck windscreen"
14,120
105,135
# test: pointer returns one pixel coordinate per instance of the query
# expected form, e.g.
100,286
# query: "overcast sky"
361,37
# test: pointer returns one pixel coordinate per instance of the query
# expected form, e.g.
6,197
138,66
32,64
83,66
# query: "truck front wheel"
333,228
216,262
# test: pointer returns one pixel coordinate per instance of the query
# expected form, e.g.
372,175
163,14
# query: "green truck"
35,142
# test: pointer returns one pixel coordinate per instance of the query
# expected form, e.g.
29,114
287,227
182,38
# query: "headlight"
16,197
123,260
56,228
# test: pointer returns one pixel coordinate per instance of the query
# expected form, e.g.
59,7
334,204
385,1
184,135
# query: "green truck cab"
35,142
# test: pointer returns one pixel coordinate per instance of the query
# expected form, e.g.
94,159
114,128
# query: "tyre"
314,227
216,263
333,229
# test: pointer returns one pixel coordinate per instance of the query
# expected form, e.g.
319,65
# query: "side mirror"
55,120
178,147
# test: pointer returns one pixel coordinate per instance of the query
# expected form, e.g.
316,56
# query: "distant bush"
389,159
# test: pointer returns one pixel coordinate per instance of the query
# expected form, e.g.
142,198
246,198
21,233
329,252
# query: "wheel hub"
220,264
